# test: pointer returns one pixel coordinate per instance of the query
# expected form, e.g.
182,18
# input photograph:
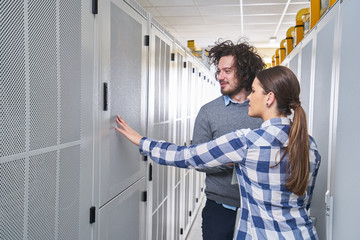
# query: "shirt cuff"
144,146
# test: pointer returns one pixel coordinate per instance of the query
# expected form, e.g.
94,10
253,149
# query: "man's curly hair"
247,62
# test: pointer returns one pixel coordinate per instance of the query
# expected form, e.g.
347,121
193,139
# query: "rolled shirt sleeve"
225,149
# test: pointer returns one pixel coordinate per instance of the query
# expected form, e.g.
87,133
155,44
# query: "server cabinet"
323,72
159,125
328,67
345,163
46,91
122,85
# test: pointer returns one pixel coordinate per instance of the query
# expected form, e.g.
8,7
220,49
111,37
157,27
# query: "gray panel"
12,189
346,163
180,65
69,188
43,74
157,95
122,218
12,75
294,63
305,76
321,116
162,81
70,71
187,198
42,196
177,212
166,82
125,99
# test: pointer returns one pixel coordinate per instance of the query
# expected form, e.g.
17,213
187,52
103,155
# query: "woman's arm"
225,149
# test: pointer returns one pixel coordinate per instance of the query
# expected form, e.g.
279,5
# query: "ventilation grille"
70,71
161,29
137,8
42,196
69,189
43,74
40,107
12,75
12,184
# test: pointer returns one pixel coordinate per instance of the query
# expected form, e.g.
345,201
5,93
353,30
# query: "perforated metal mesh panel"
70,72
69,189
42,196
12,75
40,95
43,74
12,184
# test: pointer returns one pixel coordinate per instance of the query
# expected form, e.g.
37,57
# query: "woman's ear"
270,99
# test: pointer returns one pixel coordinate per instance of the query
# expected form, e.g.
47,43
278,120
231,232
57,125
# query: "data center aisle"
195,231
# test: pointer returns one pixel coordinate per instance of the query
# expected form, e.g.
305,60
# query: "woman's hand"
127,131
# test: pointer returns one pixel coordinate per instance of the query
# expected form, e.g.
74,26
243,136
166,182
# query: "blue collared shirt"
269,210
227,100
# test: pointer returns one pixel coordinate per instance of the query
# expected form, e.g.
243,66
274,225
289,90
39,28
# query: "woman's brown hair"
284,84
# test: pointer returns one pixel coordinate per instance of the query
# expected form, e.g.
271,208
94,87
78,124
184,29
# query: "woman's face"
257,98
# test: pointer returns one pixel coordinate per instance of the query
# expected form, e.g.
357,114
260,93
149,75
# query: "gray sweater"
214,120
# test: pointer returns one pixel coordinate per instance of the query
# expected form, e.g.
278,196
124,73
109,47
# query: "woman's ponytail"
298,152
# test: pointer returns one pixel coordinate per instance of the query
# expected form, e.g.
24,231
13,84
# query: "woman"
276,164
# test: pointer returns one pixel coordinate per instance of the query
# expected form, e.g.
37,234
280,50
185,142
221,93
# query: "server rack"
325,63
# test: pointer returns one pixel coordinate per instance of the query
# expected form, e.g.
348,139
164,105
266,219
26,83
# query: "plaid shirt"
269,210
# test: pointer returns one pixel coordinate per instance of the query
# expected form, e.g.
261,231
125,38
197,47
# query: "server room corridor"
68,68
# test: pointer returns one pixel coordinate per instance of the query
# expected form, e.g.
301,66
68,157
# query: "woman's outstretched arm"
127,131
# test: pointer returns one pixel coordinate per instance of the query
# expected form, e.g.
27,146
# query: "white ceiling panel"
264,9
205,21
184,21
222,20
154,12
167,3
184,11
294,8
251,19
216,2
219,10
144,3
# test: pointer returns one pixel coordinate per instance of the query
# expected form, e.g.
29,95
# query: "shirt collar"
227,100
276,121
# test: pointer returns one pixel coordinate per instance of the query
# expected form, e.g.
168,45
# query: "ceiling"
206,21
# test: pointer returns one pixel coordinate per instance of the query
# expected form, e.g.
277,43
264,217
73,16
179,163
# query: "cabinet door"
123,217
122,90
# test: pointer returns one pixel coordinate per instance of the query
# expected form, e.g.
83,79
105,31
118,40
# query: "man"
237,66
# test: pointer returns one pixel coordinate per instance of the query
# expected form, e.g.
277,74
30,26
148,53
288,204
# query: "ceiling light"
272,39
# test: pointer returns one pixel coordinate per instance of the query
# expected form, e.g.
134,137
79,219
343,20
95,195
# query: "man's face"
226,75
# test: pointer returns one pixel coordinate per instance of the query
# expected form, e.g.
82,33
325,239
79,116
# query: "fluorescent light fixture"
272,39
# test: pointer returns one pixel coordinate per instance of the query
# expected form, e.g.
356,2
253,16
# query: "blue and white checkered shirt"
269,210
